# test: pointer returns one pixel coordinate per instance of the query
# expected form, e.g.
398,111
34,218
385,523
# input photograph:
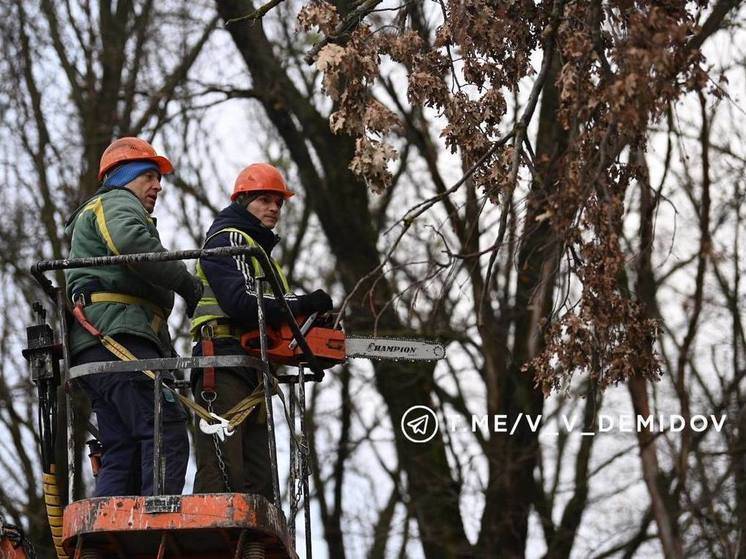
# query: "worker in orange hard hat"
260,177
131,304
131,149
228,308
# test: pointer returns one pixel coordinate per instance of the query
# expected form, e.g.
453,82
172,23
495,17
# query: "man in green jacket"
130,303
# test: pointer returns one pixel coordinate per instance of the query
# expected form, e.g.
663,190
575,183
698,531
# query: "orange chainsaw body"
327,344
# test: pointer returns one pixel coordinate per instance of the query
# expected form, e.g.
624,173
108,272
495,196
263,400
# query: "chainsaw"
331,345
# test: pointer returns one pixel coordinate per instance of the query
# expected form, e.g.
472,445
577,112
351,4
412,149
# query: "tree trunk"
340,201
512,458
661,505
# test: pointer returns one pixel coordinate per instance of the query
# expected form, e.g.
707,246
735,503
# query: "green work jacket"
112,223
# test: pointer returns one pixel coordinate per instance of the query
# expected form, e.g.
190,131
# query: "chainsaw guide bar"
398,349
333,346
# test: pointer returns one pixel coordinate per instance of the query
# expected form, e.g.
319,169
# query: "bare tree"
480,172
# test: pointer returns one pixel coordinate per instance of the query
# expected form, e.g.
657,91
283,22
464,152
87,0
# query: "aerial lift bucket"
216,525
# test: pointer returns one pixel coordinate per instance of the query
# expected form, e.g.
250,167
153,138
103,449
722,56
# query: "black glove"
318,301
191,291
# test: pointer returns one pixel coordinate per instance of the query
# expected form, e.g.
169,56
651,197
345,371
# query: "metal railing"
48,353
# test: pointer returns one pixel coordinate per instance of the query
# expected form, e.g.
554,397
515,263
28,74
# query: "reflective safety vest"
208,308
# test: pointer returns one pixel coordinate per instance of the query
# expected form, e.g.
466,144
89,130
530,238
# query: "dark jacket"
232,278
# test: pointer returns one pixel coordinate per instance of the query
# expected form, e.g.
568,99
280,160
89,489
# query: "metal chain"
216,444
298,489
294,486
305,459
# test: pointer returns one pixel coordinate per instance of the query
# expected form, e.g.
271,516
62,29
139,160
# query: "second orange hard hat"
131,149
261,177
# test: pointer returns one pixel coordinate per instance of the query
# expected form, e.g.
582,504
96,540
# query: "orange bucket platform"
209,526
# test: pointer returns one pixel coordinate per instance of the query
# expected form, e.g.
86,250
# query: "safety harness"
232,418
210,321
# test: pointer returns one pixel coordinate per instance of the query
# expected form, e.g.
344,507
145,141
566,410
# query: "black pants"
123,403
246,452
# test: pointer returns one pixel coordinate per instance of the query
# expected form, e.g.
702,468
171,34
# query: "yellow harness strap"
236,414
125,354
125,299
159,315
218,330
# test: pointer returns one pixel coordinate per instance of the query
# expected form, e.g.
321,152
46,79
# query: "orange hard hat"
261,177
132,149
